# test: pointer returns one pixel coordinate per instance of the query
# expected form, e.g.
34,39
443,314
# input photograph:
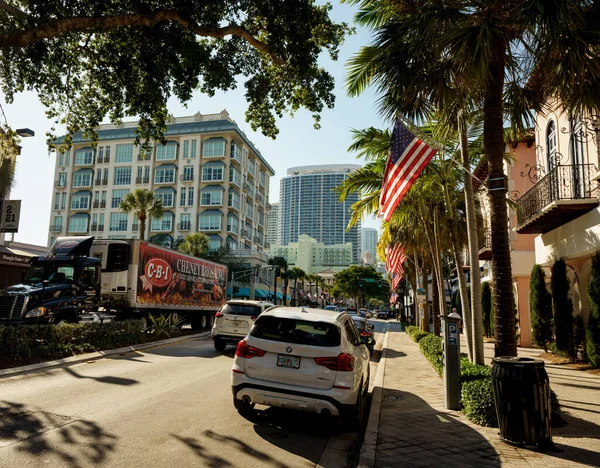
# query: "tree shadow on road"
78,442
106,379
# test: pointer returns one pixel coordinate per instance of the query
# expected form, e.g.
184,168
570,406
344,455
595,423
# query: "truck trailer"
87,279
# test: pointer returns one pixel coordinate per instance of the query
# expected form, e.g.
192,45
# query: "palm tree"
8,152
524,51
194,244
143,204
297,274
282,263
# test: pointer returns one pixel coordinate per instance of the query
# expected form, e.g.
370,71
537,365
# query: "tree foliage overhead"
88,60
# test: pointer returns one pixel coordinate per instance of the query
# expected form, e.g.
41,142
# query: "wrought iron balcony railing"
564,182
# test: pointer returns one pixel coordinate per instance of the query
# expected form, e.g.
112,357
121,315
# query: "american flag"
396,280
393,298
407,158
394,258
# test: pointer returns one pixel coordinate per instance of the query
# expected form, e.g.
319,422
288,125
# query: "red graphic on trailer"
167,277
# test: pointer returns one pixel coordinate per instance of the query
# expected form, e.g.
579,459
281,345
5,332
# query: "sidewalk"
414,429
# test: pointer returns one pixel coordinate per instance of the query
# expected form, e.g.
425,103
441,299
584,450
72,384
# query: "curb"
95,355
368,449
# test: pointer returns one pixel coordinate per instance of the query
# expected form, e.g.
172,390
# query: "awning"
81,171
166,166
213,187
82,192
212,212
165,190
80,215
14,256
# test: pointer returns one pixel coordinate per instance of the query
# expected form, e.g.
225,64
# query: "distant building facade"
273,224
209,175
309,205
314,257
369,238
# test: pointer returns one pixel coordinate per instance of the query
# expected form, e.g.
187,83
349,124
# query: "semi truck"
86,279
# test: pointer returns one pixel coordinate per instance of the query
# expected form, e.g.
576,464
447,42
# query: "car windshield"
290,330
54,272
241,309
359,323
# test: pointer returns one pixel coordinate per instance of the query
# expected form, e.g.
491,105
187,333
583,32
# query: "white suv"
304,359
234,320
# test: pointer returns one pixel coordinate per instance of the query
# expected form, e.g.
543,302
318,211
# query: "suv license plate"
292,362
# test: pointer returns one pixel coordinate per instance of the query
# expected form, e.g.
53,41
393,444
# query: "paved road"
167,406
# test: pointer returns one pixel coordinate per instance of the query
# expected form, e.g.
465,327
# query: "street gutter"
369,446
12,371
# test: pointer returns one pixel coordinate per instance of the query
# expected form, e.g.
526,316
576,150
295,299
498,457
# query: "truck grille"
11,306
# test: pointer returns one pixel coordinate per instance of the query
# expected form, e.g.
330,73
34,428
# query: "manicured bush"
419,335
541,308
592,331
431,347
411,329
563,309
470,371
44,342
477,398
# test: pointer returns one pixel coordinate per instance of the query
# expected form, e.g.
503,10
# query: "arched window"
551,145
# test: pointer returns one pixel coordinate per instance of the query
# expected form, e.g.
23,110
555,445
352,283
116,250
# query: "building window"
166,198
63,201
236,151
58,223
118,221
62,179
78,223
211,197
551,144
84,156
124,153
234,176
122,176
182,196
117,196
80,201
164,175
68,158
193,152
234,200
61,159
188,173
186,148
233,224
163,224
191,197
210,222
212,173
166,152
214,148
82,179
185,223
214,244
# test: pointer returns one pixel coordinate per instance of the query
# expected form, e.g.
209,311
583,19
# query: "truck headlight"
37,312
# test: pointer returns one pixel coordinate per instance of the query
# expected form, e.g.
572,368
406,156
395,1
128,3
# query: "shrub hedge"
477,395
44,342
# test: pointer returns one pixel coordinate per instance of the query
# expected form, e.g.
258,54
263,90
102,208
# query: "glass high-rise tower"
309,205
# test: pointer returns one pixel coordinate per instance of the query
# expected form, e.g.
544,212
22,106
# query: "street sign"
369,280
11,211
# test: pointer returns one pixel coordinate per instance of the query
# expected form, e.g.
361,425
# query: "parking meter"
451,349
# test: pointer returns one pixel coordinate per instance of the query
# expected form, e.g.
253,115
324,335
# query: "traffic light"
256,271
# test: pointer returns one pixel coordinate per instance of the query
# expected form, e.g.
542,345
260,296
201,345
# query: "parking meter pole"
451,348
252,287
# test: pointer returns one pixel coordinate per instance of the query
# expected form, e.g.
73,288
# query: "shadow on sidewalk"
411,433
392,353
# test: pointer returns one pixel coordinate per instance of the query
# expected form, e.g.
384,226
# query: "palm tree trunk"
142,225
464,301
425,322
436,308
439,282
476,315
493,140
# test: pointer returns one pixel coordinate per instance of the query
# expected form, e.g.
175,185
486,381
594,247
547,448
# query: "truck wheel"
144,321
212,319
219,344
204,321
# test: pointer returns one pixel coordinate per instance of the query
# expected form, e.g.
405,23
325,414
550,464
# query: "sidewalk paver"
415,430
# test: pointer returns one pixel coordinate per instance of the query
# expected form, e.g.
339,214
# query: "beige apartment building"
210,177
561,209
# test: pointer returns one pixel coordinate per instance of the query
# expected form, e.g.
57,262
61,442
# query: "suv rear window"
241,309
296,331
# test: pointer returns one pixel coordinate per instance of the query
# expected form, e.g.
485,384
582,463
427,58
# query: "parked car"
362,312
382,314
332,307
352,311
304,359
366,331
234,320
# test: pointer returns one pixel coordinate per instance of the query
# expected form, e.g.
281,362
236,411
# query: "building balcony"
99,160
56,228
562,195
258,240
99,204
251,253
234,206
259,197
60,183
104,181
94,227
100,228
485,245
184,225
245,234
142,180
106,159
186,178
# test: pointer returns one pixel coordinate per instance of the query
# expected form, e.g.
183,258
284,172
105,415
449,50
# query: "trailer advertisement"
166,277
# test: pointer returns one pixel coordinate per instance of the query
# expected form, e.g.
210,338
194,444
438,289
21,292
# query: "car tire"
219,344
241,406
353,418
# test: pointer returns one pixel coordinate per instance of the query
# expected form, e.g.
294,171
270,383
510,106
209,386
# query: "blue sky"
297,144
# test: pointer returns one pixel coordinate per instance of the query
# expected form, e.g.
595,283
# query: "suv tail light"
364,333
254,317
219,314
344,362
243,350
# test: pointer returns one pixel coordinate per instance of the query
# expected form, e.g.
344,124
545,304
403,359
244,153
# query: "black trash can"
522,398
